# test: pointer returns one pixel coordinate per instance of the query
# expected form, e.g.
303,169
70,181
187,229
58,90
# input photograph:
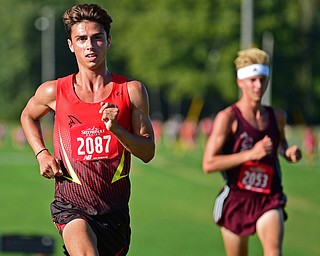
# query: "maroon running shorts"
239,211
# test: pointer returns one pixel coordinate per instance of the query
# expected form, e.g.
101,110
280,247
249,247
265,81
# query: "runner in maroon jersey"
100,120
243,145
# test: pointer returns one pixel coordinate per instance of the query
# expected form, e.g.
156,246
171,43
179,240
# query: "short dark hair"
89,12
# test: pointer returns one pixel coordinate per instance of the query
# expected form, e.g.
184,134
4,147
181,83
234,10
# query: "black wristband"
44,149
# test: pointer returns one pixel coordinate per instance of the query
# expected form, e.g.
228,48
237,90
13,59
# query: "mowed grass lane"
171,204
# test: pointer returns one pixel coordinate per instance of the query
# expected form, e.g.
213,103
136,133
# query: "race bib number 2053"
256,177
92,142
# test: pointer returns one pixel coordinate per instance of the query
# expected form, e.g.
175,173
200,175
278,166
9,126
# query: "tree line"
181,50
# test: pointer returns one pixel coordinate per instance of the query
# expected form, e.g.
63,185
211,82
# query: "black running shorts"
112,230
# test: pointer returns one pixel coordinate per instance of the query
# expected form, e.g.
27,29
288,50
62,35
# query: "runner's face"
89,43
254,87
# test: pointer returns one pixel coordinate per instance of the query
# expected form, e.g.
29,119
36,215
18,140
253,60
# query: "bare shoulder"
41,102
135,86
224,125
226,116
137,92
225,121
46,94
47,90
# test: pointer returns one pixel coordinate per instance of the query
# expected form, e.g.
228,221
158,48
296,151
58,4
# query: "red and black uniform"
254,187
95,184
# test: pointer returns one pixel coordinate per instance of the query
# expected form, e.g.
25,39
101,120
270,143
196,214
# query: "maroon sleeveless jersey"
263,176
95,165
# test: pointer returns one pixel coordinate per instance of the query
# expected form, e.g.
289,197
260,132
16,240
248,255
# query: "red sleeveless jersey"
95,165
263,176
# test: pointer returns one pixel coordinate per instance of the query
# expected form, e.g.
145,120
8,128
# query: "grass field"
171,204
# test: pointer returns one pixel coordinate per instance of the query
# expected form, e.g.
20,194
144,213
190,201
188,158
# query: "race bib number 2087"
92,142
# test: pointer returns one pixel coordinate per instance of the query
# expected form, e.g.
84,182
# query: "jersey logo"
247,141
74,177
117,175
73,120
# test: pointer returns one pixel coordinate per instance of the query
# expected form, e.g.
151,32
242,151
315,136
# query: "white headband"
253,70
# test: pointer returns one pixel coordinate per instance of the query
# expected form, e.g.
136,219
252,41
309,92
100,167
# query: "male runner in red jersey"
244,144
100,120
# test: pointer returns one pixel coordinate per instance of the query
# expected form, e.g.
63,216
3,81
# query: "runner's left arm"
140,143
291,153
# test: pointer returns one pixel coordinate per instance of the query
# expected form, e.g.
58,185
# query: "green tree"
16,73
295,27
180,49
20,48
